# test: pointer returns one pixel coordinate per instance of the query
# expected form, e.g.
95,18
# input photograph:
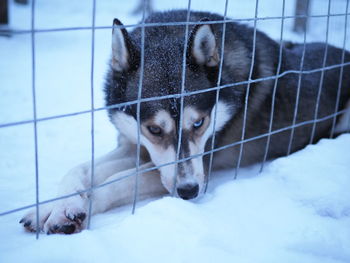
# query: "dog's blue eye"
198,124
155,130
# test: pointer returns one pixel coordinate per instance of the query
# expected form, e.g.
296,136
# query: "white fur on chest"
343,124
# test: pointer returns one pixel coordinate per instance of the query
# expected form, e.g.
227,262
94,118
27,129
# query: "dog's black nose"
188,191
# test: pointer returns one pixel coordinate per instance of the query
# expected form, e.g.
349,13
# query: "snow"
296,210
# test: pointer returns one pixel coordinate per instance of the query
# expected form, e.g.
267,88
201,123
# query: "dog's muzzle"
188,191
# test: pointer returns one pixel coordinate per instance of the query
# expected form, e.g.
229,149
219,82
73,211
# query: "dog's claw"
79,218
27,223
67,229
65,217
70,217
64,229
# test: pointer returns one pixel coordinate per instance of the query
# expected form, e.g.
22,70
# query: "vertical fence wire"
182,95
341,69
223,36
36,155
321,77
92,167
183,82
138,108
296,107
246,99
274,89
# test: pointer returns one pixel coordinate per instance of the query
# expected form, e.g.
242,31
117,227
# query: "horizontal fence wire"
182,160
180,96
80,28
174,96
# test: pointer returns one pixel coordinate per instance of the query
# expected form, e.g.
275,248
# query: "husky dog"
199,114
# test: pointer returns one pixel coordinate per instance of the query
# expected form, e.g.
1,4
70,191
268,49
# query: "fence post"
144,5
301,8
4,15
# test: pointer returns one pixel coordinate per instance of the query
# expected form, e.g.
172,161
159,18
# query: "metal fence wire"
33,31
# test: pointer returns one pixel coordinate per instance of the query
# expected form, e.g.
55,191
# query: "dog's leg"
119,189
68,215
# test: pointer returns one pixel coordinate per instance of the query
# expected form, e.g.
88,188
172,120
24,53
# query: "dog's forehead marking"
191,115
223,114
163,119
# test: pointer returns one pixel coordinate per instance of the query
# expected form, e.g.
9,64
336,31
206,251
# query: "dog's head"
161,119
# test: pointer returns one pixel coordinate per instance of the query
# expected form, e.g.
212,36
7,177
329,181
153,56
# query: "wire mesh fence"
183,94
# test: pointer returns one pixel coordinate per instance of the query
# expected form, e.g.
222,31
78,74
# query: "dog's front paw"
29,221
65,219
62,217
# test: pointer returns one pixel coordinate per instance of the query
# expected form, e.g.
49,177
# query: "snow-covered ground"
296,210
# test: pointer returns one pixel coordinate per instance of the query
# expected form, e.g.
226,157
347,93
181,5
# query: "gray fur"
162,76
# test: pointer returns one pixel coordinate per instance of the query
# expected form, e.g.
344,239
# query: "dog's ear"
125,55
202,46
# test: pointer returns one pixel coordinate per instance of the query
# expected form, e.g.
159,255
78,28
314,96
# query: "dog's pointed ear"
124,53
202,46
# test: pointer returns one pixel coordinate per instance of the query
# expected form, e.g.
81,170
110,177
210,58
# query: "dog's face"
164,122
